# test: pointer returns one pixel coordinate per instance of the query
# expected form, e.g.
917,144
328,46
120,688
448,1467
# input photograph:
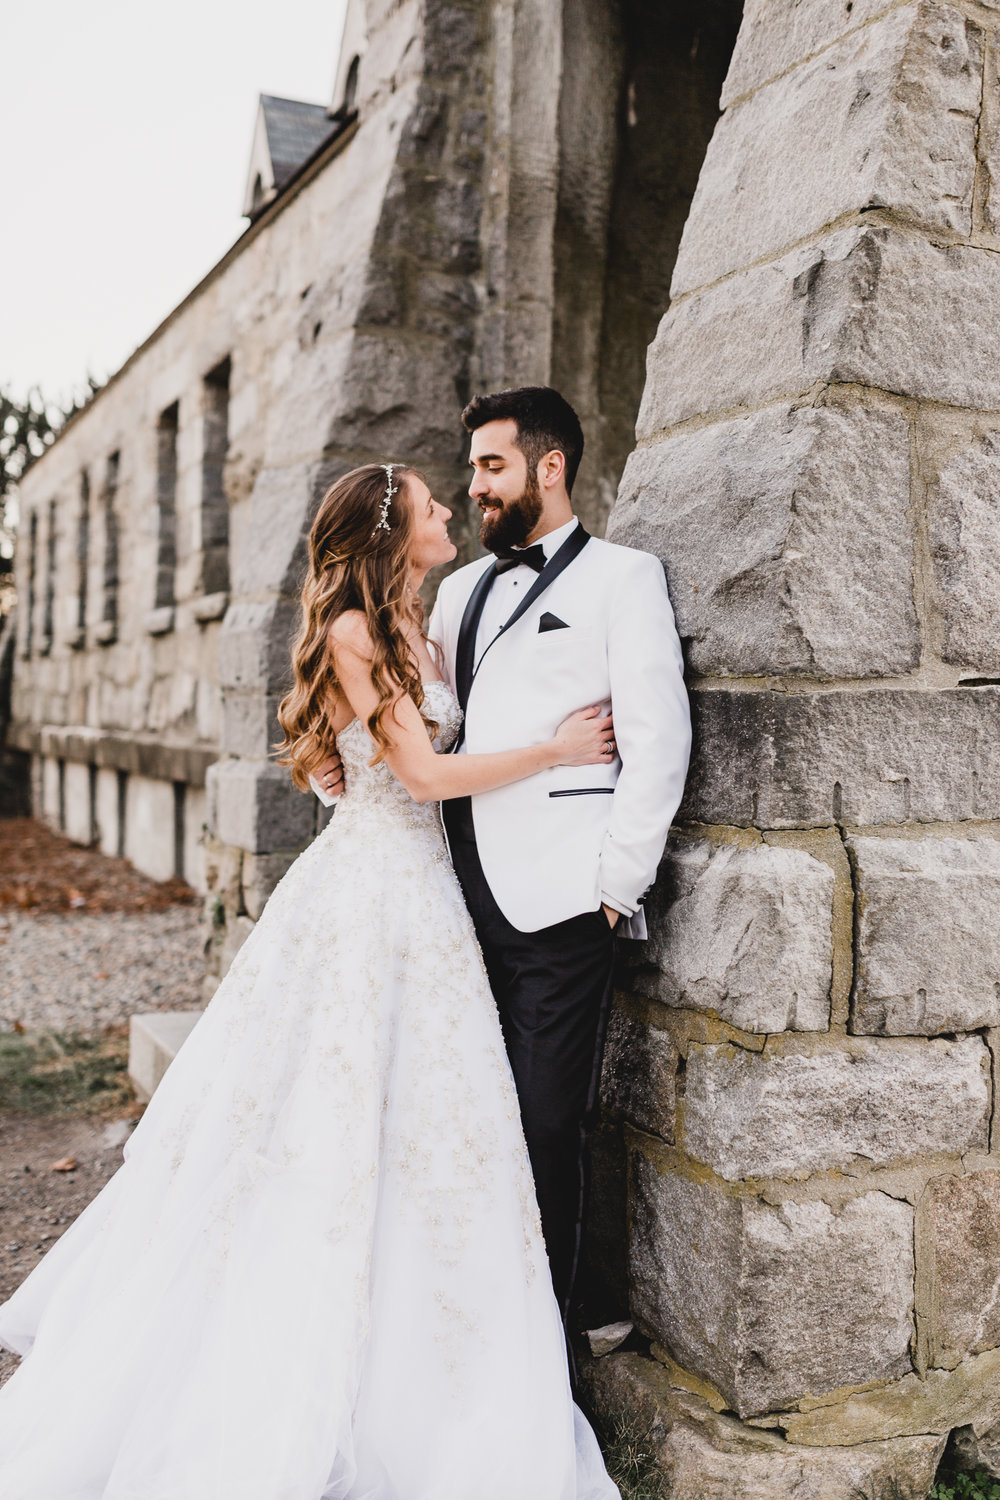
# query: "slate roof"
295,131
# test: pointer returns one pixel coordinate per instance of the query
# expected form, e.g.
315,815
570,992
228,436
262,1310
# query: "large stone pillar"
813,1201
379,382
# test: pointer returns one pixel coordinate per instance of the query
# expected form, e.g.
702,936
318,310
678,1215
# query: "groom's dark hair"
545,420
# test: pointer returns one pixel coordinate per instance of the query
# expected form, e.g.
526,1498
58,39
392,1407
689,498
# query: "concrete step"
153,1043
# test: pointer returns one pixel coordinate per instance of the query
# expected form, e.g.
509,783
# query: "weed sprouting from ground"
42,1073
631,1461
978,1486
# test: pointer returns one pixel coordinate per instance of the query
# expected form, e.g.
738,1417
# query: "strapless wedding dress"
319,1274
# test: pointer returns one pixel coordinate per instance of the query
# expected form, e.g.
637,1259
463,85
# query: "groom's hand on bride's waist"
330,775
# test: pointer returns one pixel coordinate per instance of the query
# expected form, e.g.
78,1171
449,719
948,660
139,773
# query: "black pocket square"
551,622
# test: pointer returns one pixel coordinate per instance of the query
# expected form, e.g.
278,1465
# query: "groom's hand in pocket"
612,915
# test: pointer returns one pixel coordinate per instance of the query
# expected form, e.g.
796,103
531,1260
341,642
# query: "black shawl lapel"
465,654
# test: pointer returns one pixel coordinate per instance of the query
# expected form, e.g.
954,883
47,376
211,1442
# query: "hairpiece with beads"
391,489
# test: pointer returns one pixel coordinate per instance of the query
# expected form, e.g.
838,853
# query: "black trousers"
553,991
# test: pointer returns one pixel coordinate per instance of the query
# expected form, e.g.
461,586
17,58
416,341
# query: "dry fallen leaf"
68,1164
100,976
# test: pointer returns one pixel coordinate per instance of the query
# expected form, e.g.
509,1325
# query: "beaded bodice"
375,788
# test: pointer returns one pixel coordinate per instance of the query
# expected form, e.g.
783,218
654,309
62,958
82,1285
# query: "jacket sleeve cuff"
617,905
323,796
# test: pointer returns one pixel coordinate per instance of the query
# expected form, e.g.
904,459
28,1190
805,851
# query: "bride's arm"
429,777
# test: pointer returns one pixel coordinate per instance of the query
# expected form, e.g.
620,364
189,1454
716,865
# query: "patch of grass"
42,1073
631,1461
978,1486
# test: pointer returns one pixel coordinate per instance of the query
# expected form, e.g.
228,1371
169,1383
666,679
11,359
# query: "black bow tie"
531,557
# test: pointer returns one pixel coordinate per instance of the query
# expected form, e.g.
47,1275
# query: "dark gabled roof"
295,132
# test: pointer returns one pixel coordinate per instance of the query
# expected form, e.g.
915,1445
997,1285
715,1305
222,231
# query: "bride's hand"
586,738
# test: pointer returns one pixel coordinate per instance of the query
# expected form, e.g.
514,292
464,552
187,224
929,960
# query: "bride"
319,1274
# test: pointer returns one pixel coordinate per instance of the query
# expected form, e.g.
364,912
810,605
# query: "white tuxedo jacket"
562,841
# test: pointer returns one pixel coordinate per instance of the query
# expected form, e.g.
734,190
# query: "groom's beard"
516,520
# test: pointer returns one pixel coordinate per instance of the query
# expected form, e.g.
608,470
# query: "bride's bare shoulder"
350,632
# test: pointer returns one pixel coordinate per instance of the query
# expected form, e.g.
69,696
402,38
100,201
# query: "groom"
553,865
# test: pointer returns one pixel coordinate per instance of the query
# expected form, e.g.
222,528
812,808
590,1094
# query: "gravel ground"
85,971
37,1204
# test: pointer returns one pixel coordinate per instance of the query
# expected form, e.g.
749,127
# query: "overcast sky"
126,131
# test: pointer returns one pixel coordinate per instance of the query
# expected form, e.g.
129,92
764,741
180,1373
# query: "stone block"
153,1043
223,874
809,760
77,802
704,1455
935,1402
903,1468
964,528
250,723
863,1102
50,807
267,530
776,36
237,930
255,645
149,826
604,1341
974,1452
958,1257
771,1303
884,118
871,305
256,807
107,810
261,873
638,1080
928,940
195,816
786,538
744,935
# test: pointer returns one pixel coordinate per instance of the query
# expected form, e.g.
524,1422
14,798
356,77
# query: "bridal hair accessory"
391,489
330,558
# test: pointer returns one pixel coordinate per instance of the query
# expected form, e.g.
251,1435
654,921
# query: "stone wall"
803,1063
501,212
158,618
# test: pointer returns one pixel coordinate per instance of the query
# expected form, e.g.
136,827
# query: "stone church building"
754,245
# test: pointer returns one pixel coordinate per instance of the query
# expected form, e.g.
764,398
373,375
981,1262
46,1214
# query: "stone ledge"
941,1400
209,607
160,621
153,1043
704,1453
139,754
105,632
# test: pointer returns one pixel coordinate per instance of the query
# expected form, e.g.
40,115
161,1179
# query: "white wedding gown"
319,1274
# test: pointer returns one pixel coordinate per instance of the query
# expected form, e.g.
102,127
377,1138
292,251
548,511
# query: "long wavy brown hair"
353,564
